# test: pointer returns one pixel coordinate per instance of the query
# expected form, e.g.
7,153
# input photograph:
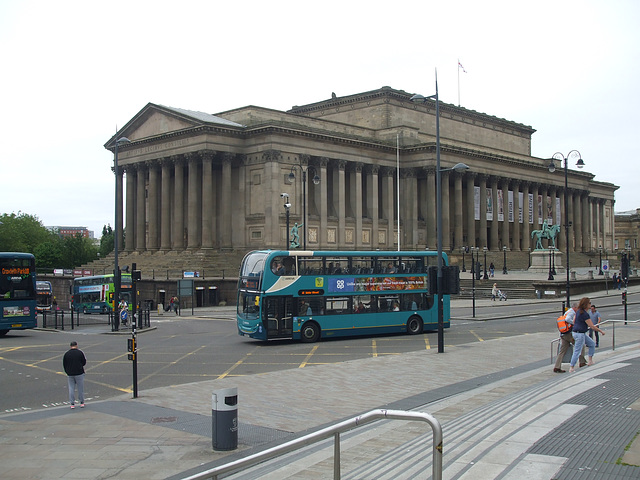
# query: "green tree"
21,232
106,241
49,255
78,250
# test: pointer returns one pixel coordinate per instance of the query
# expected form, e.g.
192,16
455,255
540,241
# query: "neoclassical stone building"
196,181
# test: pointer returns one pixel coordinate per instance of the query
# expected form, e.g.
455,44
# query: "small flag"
460,66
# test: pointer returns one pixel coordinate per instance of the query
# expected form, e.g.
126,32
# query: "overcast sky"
73,71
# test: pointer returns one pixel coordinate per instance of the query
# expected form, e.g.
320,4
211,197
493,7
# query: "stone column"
154,205
141,226
570,220
178,203
516,242
457,209
586,224
226,212
372,203
193,237
505,209
471,210
324,202
598,222
446,216
562,240
208,196
388,200
341,205
554,207
526,226
482,181
120,206
357,203
431,208
129,241
577,217
536,209
494,224
165,223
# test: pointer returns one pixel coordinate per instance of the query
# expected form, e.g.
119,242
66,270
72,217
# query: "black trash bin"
224,419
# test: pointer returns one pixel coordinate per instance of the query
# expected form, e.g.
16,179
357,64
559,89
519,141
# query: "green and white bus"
308,295
95,294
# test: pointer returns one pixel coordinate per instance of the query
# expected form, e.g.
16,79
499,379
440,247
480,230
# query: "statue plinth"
540,261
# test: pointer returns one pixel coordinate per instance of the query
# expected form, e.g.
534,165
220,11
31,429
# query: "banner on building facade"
531,208
476,203
489,205
558,212
500,206
549,211
520,207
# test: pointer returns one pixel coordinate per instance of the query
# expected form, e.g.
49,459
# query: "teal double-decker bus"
309,295
17,291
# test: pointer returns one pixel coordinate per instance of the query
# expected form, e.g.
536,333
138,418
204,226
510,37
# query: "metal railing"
328,432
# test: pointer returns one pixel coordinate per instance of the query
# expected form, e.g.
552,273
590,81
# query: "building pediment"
157,120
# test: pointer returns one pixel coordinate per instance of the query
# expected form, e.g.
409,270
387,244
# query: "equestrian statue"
548,231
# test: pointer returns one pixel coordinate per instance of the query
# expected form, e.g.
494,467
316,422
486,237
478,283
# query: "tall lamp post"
458,167
316,181
116,234
550,270
485,276
504,265
600,261
464,268
574,155
287,207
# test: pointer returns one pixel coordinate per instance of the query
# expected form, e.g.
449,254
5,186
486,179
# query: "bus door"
278,316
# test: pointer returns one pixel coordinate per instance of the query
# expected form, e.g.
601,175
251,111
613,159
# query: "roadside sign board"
185,288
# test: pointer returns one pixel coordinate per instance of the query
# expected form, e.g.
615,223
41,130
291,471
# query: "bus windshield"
17,291
311,295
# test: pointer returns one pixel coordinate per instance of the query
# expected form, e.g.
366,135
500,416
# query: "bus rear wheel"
4,332
310,332
414,325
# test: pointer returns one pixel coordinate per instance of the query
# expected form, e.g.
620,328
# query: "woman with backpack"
581,325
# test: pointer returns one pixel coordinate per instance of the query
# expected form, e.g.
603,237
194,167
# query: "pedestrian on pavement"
492,270
494,292
567,339
614,280
176,303
589,263
595,317
73,363
580,326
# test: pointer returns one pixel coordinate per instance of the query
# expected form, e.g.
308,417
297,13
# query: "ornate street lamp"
573,154
287,207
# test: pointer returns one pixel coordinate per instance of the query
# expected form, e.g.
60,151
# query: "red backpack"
563,325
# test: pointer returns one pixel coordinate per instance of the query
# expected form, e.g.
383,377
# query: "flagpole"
458,82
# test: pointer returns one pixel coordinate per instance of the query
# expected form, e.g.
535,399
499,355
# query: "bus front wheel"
310,332
414,325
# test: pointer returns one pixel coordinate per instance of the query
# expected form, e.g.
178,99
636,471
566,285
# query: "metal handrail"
334,431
